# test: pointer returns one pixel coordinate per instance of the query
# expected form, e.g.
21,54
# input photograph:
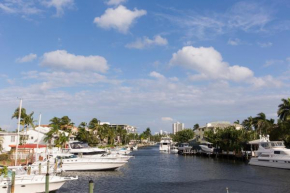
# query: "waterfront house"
199,133
11,139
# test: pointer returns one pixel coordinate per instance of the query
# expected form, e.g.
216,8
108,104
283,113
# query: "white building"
199,133
10,139
177,127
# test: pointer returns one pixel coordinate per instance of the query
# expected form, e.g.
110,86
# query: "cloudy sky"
144,63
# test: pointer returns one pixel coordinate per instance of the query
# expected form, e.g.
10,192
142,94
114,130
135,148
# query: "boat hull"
282,164
91,165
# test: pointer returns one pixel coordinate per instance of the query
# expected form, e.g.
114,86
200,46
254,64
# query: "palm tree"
248,123
237,122
261,123
55,121
195,127
284,110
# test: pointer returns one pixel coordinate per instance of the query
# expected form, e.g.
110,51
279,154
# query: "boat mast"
18,126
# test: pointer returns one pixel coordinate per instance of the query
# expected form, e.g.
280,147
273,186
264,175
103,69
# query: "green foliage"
4,171
183,136
229,138
195,127
3,157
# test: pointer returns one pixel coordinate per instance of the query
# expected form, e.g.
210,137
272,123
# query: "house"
38,134
11,139
199,133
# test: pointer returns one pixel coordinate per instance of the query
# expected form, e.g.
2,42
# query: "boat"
165,144
207,147
71,162
271,154
25,183
83,150
173,149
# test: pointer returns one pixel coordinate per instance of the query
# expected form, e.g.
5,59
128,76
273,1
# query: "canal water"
151,171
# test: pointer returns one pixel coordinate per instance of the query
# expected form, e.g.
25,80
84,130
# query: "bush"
3,157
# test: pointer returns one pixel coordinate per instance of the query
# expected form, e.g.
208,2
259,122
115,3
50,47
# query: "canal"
155,172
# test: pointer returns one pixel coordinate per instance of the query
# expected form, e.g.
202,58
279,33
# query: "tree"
248,123
284,110
195,127
237,122
93,124
55,121
183,136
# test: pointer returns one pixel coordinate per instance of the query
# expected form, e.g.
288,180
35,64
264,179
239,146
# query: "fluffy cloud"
25,7
27,58
209,63
115,2
119,18
63,60
59,5
156,75
167,119
146,42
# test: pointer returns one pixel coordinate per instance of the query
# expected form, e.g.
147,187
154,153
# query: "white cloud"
146,42
27,58
273,62
119,18
7,9
265,44
64,60
59,5
234,42
267,81
209,63
66,79
156,75
115,2
249,17
167,119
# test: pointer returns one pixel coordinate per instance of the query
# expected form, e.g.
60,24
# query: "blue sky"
144,63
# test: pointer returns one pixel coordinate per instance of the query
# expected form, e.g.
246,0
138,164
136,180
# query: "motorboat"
271,154
25,183
71,162
165,144
83,150
174,149
207,147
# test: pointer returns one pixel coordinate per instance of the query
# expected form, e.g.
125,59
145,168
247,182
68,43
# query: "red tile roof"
28,146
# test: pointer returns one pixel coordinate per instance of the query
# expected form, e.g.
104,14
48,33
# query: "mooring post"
55,165
47,167
47,183
13,182
91,186
227,189
39,168
29,170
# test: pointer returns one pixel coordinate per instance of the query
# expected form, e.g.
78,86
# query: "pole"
18,126
47,183
47,167
29,170
39,168
91,186
38,135
13,182
227,189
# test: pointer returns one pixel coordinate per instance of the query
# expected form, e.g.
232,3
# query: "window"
12,138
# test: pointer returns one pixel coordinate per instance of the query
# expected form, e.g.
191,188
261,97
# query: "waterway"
154,172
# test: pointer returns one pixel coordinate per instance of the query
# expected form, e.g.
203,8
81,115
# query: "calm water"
152,171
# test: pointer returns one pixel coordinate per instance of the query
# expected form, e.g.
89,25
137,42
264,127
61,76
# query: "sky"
144,63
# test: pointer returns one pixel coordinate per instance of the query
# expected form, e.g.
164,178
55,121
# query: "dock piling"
13,182
47,183
91,186
227,189
39,168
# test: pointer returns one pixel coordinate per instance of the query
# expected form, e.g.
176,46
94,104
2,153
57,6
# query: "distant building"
128,128
177,127
199,133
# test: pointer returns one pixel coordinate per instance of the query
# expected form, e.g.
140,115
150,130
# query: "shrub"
3,157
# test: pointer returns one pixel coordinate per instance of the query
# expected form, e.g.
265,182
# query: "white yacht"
271,154
83,150
25,183
165,144
207,147
70,162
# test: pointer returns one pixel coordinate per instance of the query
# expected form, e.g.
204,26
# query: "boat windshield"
79,145
272,144
66,157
